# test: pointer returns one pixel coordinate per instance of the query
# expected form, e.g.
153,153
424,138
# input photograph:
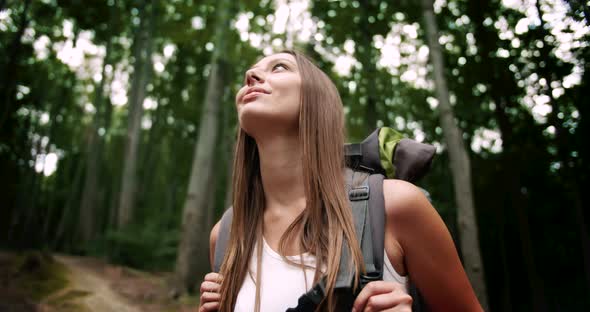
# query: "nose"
253,77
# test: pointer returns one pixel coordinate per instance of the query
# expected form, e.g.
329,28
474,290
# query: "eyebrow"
274,60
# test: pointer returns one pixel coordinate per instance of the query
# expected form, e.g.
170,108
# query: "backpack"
384,153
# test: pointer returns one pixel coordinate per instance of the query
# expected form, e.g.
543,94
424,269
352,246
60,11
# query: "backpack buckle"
353,154
359,193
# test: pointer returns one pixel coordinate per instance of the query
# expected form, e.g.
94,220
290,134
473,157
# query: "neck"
281,170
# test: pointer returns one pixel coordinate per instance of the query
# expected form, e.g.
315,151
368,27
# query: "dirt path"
36,282
91,291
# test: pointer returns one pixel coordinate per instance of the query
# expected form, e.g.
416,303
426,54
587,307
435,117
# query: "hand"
210,292
382,296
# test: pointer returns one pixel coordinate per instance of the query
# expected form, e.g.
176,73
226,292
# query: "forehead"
274,57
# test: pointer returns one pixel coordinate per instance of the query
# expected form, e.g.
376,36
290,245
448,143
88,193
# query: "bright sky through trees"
403,54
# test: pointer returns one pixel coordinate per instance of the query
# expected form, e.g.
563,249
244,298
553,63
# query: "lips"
252,93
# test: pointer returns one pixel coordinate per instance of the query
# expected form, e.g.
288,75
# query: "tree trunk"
13,147
496,73
29,195
194,242
88,206
142,70
460,164
10,71
365,53
69,214
229,160
229,146
505,303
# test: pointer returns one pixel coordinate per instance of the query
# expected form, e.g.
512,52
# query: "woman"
291,213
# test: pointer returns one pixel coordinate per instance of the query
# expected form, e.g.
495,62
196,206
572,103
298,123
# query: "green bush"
148,246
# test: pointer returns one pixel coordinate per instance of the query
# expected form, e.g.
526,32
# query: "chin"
259,122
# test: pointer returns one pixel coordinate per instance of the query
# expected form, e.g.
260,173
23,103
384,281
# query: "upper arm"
429,252
212,240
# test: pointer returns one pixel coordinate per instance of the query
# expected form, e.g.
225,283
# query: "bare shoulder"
410,216
404,201
407,210
428,250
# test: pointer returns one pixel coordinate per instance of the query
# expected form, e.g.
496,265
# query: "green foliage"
148,246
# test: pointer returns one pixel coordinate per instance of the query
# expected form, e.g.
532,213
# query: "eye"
279,65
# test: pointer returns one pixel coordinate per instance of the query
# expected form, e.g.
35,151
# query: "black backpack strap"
222,239
358,196
365,195
377,218
366,201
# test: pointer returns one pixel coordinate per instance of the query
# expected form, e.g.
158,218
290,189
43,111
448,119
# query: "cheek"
288,99
289,95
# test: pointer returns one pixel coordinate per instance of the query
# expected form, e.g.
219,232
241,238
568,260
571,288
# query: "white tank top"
283,283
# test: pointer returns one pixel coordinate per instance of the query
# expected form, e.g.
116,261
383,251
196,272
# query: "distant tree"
141,75
11,147
94,149
459,162
194,239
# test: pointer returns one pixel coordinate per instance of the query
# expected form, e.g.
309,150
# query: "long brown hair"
321,138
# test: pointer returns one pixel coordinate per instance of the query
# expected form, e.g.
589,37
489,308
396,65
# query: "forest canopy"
117,124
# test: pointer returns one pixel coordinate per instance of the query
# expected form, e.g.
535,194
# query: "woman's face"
270,97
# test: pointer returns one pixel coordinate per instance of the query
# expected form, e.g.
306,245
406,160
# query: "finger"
371,289
400,308
213,277
210,287
210,296
396,300
209,306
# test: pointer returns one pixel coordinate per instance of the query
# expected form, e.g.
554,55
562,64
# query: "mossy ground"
27,278
38,274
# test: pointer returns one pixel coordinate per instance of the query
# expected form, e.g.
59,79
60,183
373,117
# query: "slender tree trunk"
49,219
505,304
14,197
30,193
496,73
69,213
26,189
512,194
10,71
229,151
108,186
141,74
88,206
194,235
210,208
460,164
14,148
151,158
229,140
365,53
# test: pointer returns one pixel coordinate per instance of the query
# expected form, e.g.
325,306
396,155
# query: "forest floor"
44,283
